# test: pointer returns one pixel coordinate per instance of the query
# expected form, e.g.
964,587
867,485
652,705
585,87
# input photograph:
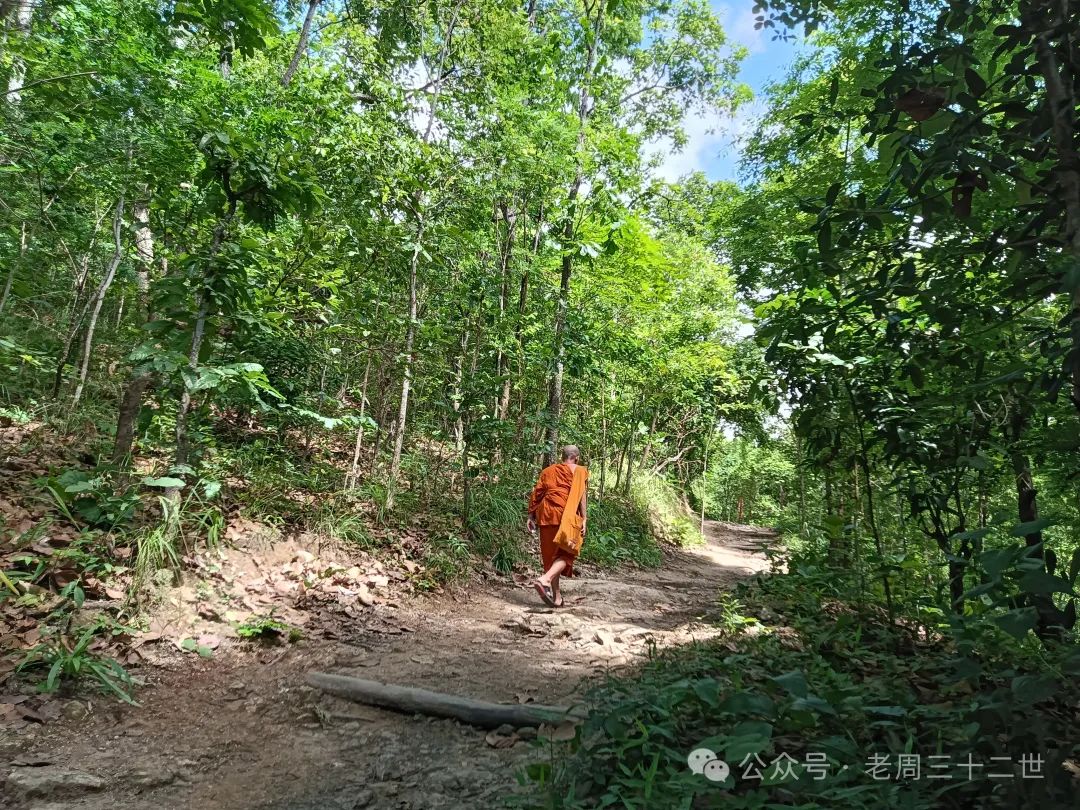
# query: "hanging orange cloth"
551,503
569,537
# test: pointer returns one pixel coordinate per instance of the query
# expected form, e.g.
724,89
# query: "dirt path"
242,731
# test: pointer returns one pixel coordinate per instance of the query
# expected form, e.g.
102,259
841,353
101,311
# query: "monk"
558,508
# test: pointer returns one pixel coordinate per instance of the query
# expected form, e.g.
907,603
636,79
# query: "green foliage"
67,662
665,509
823,678
619,533
266,628
92,498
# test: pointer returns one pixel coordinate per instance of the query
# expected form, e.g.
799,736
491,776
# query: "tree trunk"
412,700
144,249
138,382
414,267
11,270
301,44
24,17
630,449
203,303
554,405
128,415
407,374
505,251
1058,83
354,472
705,482
603,444
459,377
99,298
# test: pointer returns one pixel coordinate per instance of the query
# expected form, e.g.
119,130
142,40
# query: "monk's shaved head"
571,452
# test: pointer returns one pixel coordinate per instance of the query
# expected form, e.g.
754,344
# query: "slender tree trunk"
603,443
301,44
802,485
407,375
76,321
459,377
1058,82
503,406
199,331
630,449
24,17
864,463
144,249
138,381
11,270
354,472
99,298
705,482
555,392
414,268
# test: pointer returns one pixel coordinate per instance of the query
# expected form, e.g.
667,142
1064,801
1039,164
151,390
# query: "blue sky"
716,152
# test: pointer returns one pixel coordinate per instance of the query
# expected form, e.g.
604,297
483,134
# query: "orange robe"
548,502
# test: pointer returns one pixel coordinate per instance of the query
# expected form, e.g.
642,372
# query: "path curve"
245,732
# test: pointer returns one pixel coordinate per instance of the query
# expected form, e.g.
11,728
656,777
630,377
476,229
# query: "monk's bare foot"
545,592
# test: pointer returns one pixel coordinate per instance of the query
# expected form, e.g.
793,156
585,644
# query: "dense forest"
359,269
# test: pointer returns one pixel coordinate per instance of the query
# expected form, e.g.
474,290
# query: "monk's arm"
534,502
582,510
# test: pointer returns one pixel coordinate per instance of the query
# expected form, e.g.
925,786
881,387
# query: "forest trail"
242,730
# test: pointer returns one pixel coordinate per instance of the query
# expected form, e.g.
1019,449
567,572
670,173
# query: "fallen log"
412,700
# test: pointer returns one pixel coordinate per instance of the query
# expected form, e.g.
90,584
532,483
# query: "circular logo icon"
699,758
716,770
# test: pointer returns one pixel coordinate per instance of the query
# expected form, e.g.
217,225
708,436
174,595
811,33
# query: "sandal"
545,593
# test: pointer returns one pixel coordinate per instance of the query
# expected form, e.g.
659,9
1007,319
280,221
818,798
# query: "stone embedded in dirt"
497,740
38,783
75,711
147,778
526,733
564,732
604,638
33,760
365,597
522,625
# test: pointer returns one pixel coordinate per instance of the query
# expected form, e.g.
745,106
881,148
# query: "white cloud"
715,141
739,25
710,139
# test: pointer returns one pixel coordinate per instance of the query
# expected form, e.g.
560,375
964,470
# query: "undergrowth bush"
817,710
668,515
619,532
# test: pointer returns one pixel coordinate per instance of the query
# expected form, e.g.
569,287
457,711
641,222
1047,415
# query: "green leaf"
976,84
888,711
794,682
707,689
164,482
813,703
1031,527
738,748
1018,622
1043,582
